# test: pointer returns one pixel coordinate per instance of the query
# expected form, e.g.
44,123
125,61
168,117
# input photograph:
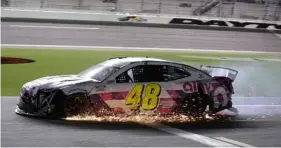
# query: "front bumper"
22,112
34,105
27,109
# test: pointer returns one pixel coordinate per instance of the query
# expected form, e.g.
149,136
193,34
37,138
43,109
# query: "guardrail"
110,18
241,9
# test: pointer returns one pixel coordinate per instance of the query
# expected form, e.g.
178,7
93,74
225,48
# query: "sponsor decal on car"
148,101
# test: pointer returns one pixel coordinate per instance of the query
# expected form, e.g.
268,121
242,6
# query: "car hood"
55,82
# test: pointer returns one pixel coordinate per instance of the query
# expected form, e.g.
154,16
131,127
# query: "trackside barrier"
122,19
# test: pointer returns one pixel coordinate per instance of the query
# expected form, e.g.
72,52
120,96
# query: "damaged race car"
130,86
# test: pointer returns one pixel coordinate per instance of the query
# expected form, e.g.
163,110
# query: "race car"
130,86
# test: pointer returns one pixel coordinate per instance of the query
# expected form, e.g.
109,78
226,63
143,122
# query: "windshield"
99,72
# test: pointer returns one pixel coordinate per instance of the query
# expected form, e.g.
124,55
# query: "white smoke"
257,79
261,81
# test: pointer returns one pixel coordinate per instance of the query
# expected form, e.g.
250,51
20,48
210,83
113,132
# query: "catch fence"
243,9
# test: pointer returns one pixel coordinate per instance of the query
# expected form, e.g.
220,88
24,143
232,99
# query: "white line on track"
218,142
233,142
77,47
192,136
233,59
241,97
54,27
255,120
254,105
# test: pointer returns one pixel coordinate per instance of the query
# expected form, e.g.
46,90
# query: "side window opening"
131,75
152,73
174,73
142,73
123,78
147,73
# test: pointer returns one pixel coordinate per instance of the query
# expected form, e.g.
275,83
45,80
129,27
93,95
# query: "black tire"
220,107
197,104
194,104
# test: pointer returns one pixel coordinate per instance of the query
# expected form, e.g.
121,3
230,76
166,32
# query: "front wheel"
75,104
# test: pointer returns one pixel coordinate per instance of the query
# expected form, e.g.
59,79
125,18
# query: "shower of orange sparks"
145,119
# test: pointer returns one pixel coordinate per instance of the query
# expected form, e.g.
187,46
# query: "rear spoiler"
219,71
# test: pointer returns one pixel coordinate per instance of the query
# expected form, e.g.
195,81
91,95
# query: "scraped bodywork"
133,85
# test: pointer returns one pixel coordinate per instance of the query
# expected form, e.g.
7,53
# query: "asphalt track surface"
260,129
94,35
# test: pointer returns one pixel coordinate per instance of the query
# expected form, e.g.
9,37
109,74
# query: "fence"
248,9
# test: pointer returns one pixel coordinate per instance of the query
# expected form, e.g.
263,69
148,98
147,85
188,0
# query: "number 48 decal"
150,99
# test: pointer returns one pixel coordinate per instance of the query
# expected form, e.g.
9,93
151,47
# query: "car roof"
121,61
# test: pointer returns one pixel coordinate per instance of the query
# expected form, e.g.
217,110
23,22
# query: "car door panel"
130,97
138,96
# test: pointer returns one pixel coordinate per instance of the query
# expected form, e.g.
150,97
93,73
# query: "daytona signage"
225,23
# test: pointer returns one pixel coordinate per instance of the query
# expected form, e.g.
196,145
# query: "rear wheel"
220,100
197,104
214,108
194,104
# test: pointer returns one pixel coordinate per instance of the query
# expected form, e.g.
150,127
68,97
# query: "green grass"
60,62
